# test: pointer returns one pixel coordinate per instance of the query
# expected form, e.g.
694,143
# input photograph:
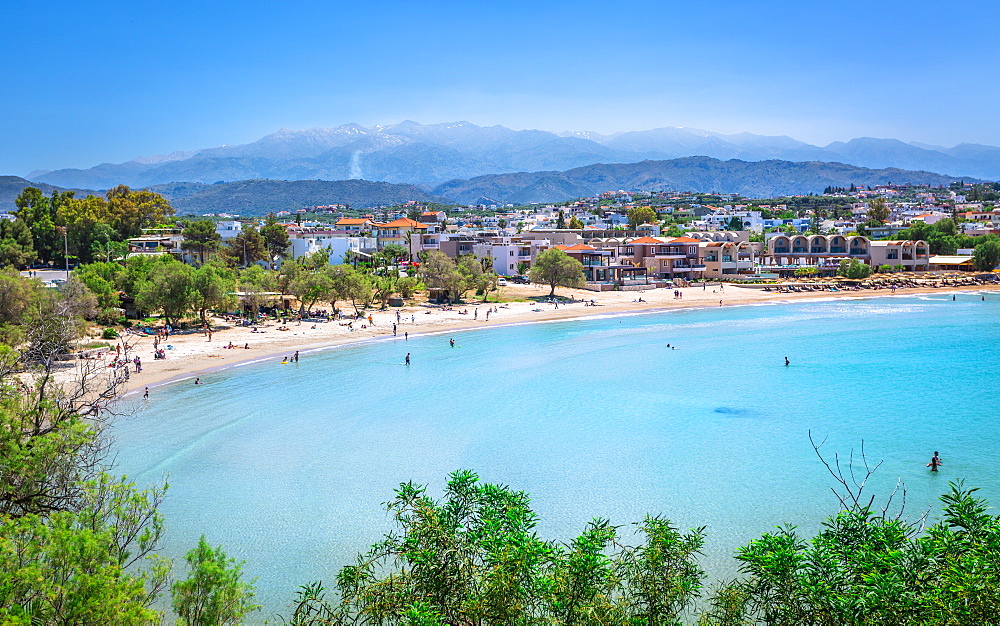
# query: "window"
511,253
512,266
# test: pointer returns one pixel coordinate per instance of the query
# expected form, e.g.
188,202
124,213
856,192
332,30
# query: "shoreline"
191,355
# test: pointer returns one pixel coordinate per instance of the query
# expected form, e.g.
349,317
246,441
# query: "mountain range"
433,154
752,179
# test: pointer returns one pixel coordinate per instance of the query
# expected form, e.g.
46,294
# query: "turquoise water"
287,466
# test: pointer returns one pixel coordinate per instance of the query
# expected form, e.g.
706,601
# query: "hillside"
11,187
259,197
432,154
752,179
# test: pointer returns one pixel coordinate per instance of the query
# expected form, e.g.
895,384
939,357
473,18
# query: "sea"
688,414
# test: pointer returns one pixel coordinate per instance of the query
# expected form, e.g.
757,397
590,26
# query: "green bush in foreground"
474,558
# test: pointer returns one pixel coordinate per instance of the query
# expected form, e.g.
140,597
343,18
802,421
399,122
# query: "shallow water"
287,466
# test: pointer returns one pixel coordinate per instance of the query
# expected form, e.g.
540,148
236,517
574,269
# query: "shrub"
109,333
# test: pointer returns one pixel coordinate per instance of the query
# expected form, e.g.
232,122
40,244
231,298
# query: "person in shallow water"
935,462
787,362
452,342
407,358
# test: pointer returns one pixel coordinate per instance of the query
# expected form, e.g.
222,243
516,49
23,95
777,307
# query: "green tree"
134,210
556,268
275,238
201,238
214,594
869,567
394,252
474,558
640,215
575,223
733,223
39,213
169,288
16,246
854,269
878,210
212,288
986,255
439,271
246,248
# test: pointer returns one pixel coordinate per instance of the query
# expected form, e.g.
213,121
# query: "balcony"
783,250
837,250
670,255
817,250
799,249
859,251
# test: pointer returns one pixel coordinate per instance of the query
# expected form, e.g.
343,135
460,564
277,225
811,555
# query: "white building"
228,229
307,241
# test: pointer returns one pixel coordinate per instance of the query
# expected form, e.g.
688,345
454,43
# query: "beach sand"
193,355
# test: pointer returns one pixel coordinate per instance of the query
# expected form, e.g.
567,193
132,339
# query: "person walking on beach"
407,358
935,462
296,356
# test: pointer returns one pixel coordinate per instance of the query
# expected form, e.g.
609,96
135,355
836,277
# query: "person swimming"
935,462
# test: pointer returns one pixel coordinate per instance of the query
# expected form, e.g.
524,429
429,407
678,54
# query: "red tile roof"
646,239
403,222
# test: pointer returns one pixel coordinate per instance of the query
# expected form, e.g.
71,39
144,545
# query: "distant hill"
11,187
752,179
259,197
432,154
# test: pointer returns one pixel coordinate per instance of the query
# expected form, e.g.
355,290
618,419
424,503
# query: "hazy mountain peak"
411,152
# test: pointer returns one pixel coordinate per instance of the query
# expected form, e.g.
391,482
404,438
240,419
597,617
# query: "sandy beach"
192,354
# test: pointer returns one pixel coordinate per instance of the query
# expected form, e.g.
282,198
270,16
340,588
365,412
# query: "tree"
986,256
640,215
212,288
556,268
561,219
135,210
439,271
471,269
214,593
575,223
474,558
16,247
275,238
39,213
674,230
733,223
394,252
878,210
870,565
246,248
201,237
169,287
854,269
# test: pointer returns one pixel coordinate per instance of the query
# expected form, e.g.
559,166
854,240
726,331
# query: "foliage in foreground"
865,568
474,558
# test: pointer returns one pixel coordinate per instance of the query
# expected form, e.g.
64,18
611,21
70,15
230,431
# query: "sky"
86,83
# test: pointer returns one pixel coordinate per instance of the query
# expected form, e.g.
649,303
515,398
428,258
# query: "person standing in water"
452,342
935,462
407,358
787,362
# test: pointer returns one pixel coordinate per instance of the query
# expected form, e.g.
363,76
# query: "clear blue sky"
85,83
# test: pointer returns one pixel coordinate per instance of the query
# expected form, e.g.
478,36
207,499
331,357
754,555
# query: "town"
635,240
